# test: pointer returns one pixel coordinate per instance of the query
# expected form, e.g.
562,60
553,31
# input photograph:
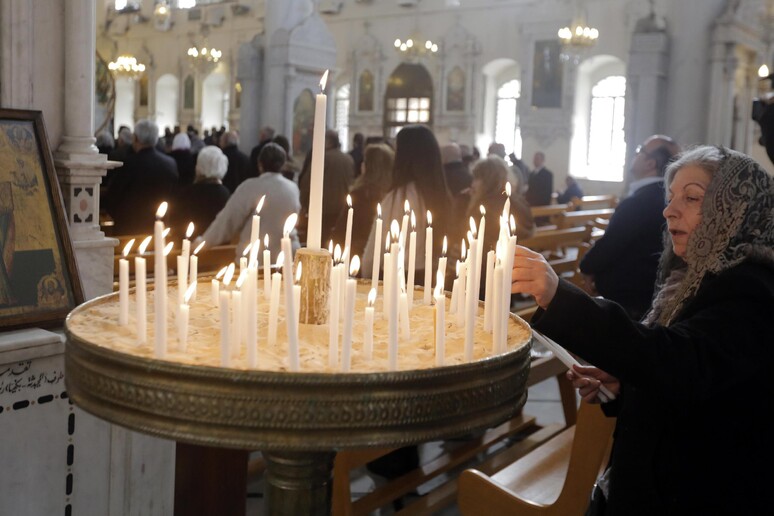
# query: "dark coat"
364,201
694,430
458,177
624,261
540,186
199,203
186,165
147,178
238,167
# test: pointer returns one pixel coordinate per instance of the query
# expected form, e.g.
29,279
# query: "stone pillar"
722,77
79,165
248,73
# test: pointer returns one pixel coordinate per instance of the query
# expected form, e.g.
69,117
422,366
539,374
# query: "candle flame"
371,297
189,292
260,205
165,233
508,188
298,272
354,266
413,221
482,210
229,274
330,247
241,280
162,210
199,248
349,200
429,218
395,229
266,241
144,244
337,254
221,272
189,231
513,224
379,210
281,258
473,227
168,248
290,223
406,207
324,80
445,246
128,247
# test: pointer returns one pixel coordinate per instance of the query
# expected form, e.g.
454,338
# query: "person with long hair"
417,177
372,183
691,380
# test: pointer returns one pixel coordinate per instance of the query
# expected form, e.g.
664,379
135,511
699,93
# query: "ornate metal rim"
250,409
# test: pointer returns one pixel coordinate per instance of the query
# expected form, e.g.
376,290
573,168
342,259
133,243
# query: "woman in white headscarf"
694,398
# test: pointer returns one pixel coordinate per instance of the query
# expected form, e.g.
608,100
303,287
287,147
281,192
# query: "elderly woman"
692,380
186,162
200,202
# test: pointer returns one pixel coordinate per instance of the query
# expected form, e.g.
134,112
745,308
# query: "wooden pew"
549,211
555,479
570,219
588,202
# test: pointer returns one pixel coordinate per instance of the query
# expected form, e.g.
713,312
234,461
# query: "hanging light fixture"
577,38
126,66
415,47
204,59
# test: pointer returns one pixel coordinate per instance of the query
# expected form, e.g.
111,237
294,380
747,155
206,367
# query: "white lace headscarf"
737,224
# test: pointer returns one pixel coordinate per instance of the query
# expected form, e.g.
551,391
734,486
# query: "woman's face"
684,199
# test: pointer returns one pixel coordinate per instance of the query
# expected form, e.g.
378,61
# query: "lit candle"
123,285
237,310
393,308
194,268
428,258
412,260
490,260
186,250
140,279
404,223
335,303
290,311
377,248
182,318
368,339
507,205
297,294
405,328
442,260
313,239
255,227
498,311
349,312
455,289
480,250
216,285
160,283
252,317
387,278
182,276
440,323
471,301
348,234
225,318
463,276
266,268
276,285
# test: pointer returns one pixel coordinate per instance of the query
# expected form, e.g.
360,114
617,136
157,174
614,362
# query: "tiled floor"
543,403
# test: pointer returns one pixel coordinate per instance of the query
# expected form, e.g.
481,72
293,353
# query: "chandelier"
576,39
416,48
204,59
126,66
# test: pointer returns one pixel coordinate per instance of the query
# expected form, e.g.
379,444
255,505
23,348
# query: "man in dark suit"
540,184
622,264
265,135
238,162
147,178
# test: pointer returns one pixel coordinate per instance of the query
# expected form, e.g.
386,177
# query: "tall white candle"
442,261
386,291
225,318
185,250
368,339
405,327
266,268
440,322
255,226
216,285
140,278
404,223
455,289
348,234
182,277
193,268
183,315
314,234
463,287
297,294
290,311
237,321
160,284
252,318
488,294
349,313
276,285
393,308
333,319
412,260
428,258
497,307
507,205
471,303
377,247
480,250
123,285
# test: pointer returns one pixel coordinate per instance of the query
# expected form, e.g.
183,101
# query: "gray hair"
105,139
211,163
146,132
230,138
705,157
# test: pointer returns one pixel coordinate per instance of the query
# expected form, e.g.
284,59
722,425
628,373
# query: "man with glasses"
622,264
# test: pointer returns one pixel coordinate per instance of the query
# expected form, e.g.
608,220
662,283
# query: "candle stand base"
299,482
315,285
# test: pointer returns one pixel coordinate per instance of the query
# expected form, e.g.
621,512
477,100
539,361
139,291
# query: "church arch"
408,99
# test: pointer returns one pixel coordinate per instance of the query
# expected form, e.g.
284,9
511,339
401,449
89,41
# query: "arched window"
341,118
507,129
607,147
408,99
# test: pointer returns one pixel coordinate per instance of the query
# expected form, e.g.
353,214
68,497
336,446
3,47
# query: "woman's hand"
533,275
588,379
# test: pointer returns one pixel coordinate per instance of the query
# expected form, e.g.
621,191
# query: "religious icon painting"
39,282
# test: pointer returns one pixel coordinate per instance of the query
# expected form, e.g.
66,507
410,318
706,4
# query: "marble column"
79,165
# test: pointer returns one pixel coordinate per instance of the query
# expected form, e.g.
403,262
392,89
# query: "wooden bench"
570,219
588,202
550,212
555,479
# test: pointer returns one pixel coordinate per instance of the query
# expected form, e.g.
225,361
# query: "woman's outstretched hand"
533,275
588,380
